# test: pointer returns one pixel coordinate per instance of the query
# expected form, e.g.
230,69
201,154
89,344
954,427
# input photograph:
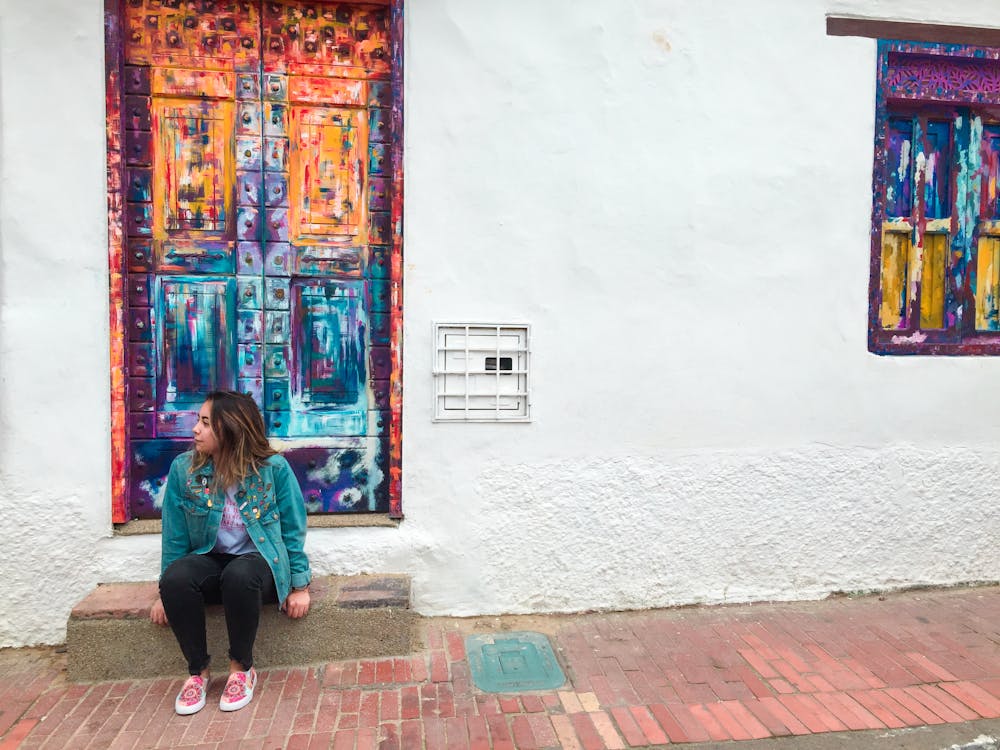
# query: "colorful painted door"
259,247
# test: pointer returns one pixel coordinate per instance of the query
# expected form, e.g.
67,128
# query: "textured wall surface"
54,404
677,197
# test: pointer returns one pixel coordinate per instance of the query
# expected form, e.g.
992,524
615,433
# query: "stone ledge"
139,526
109,635
381,591
117,601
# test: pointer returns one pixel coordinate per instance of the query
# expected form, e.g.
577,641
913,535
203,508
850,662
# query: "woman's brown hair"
239,430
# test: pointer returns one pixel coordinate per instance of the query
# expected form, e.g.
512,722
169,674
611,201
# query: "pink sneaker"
239,690
191,698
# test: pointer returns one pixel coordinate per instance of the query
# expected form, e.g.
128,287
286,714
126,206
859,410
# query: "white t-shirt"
232,538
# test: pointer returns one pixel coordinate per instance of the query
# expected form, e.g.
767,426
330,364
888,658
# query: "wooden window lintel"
876,28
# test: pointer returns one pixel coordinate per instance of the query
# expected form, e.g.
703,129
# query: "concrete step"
110,637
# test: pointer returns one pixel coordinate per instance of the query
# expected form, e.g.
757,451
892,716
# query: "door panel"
141,395
988,239
919,243
191,256
934,162
326,174
347,477
319,90
174,82
276,327
205,36
328,261
196,347
315,423
329,39
248,220
328,348
193,167
896,265
142,424
250,292
278,261
141,324
176,423
275,190
988,285
141,361
932,281
149,464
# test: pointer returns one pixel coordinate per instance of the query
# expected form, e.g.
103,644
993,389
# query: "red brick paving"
677,676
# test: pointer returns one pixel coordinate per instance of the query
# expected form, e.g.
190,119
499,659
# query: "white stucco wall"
676,196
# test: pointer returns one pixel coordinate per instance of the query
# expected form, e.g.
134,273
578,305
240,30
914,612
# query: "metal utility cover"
513,662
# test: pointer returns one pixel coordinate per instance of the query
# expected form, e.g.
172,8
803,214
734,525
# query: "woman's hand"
157,614
297,604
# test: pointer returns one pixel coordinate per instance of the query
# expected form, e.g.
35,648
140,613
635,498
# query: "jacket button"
276,559
261,538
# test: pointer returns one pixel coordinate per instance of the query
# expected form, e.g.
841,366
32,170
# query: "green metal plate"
513,662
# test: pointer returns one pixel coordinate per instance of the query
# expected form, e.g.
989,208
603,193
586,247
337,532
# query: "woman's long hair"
239,430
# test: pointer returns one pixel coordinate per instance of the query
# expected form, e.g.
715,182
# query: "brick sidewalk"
636,679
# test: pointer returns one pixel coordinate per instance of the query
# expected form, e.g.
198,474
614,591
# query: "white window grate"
481,372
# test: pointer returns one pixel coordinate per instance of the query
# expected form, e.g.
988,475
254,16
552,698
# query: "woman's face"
204,437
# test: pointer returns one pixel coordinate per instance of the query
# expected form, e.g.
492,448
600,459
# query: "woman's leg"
184,587
246,584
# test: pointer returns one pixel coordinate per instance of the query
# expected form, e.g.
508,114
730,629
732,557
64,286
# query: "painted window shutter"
934,280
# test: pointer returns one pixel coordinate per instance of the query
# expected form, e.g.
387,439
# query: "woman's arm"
292,511
174,542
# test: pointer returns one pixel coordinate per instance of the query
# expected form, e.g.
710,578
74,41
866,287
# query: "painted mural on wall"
255,212
935,274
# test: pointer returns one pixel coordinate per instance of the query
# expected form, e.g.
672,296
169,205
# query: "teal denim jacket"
272,507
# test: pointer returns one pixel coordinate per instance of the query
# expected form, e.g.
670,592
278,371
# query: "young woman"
234,525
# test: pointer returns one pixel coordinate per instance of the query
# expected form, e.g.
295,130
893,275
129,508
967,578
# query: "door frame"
114,15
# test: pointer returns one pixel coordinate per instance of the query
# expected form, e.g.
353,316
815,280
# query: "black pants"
242,583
